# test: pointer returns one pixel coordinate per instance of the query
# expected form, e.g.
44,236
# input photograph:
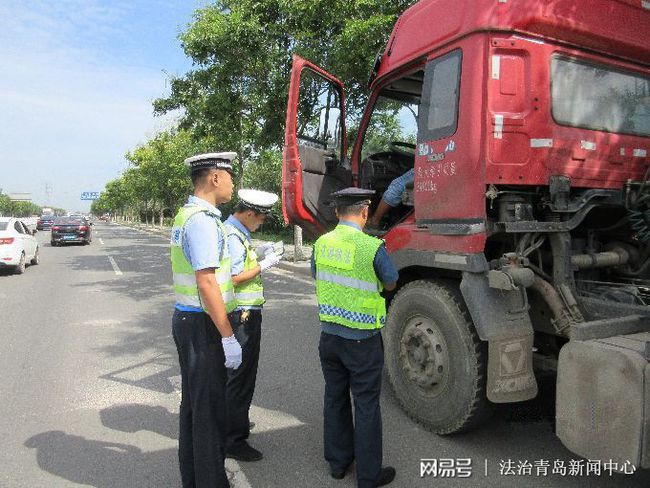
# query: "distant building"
20,197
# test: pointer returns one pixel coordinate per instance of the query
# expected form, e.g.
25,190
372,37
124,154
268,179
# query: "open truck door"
314,162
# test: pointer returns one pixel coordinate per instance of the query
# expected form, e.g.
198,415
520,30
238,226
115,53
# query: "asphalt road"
89,389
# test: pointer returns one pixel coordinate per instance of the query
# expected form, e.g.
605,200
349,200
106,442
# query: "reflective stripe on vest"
251,292
185,288
347,287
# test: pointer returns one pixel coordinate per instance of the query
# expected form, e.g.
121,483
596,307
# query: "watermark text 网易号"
462,467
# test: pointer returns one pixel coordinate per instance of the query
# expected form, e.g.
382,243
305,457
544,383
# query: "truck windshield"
599,98
391,120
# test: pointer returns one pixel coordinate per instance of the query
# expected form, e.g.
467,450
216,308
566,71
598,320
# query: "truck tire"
435,361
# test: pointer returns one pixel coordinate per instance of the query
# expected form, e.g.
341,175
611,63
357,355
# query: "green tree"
160,166
266,174
5,204
242,51
17,209
24,209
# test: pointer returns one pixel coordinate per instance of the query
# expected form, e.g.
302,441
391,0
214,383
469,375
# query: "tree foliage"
17,209
234,98
242,52
156,181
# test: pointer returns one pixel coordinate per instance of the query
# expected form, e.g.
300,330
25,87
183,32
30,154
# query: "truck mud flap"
501,318
603,398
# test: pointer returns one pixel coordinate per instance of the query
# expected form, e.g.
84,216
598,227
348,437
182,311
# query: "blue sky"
78,78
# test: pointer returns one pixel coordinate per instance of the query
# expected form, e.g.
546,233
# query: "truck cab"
524,238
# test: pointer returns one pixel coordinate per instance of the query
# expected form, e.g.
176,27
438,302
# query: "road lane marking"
236,476
101,241
115,267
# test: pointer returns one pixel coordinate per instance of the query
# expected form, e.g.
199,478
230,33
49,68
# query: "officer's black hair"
355,209
242,207
198,175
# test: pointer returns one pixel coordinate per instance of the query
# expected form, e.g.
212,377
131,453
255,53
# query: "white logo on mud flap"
510,385
512,359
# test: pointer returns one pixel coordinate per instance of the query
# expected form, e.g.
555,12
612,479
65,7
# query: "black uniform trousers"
202,433
353,366
241,381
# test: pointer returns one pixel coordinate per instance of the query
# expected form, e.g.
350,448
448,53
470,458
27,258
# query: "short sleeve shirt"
202,239
236,247
393,194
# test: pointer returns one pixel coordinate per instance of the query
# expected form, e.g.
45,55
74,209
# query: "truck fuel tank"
603,398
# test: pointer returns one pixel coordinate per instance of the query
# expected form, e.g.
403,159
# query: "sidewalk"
302,267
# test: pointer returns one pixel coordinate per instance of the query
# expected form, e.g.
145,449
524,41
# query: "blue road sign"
89,195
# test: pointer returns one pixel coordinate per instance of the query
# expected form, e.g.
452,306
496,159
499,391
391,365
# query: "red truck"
523,242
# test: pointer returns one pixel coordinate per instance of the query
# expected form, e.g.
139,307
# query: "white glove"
263,249
269,261
232,351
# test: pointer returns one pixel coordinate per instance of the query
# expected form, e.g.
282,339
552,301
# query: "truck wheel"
435,361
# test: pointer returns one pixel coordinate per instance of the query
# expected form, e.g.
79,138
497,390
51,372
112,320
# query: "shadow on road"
103,464
135,417
153,374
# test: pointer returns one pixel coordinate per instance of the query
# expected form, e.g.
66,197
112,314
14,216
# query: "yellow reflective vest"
185,287
251,292
347,287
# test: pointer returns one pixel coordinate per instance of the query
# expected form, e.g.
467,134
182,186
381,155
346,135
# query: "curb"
301,267
164,232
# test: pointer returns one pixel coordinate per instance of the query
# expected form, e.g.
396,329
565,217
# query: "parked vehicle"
44,222
525,236
18,246
67,230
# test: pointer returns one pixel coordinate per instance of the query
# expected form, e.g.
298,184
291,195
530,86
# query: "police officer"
246,320
351,269
202,332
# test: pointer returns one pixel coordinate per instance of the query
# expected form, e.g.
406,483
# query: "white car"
18,246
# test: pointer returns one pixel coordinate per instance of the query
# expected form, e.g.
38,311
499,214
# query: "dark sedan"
66,230
44,222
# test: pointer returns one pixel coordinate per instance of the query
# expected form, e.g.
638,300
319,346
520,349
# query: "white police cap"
220,160
257,200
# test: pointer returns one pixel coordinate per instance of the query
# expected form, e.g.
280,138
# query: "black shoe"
386,476
340,474
244,452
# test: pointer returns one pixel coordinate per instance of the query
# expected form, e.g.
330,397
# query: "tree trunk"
162,216
298,255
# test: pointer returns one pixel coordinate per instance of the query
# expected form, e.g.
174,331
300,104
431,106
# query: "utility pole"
298,255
